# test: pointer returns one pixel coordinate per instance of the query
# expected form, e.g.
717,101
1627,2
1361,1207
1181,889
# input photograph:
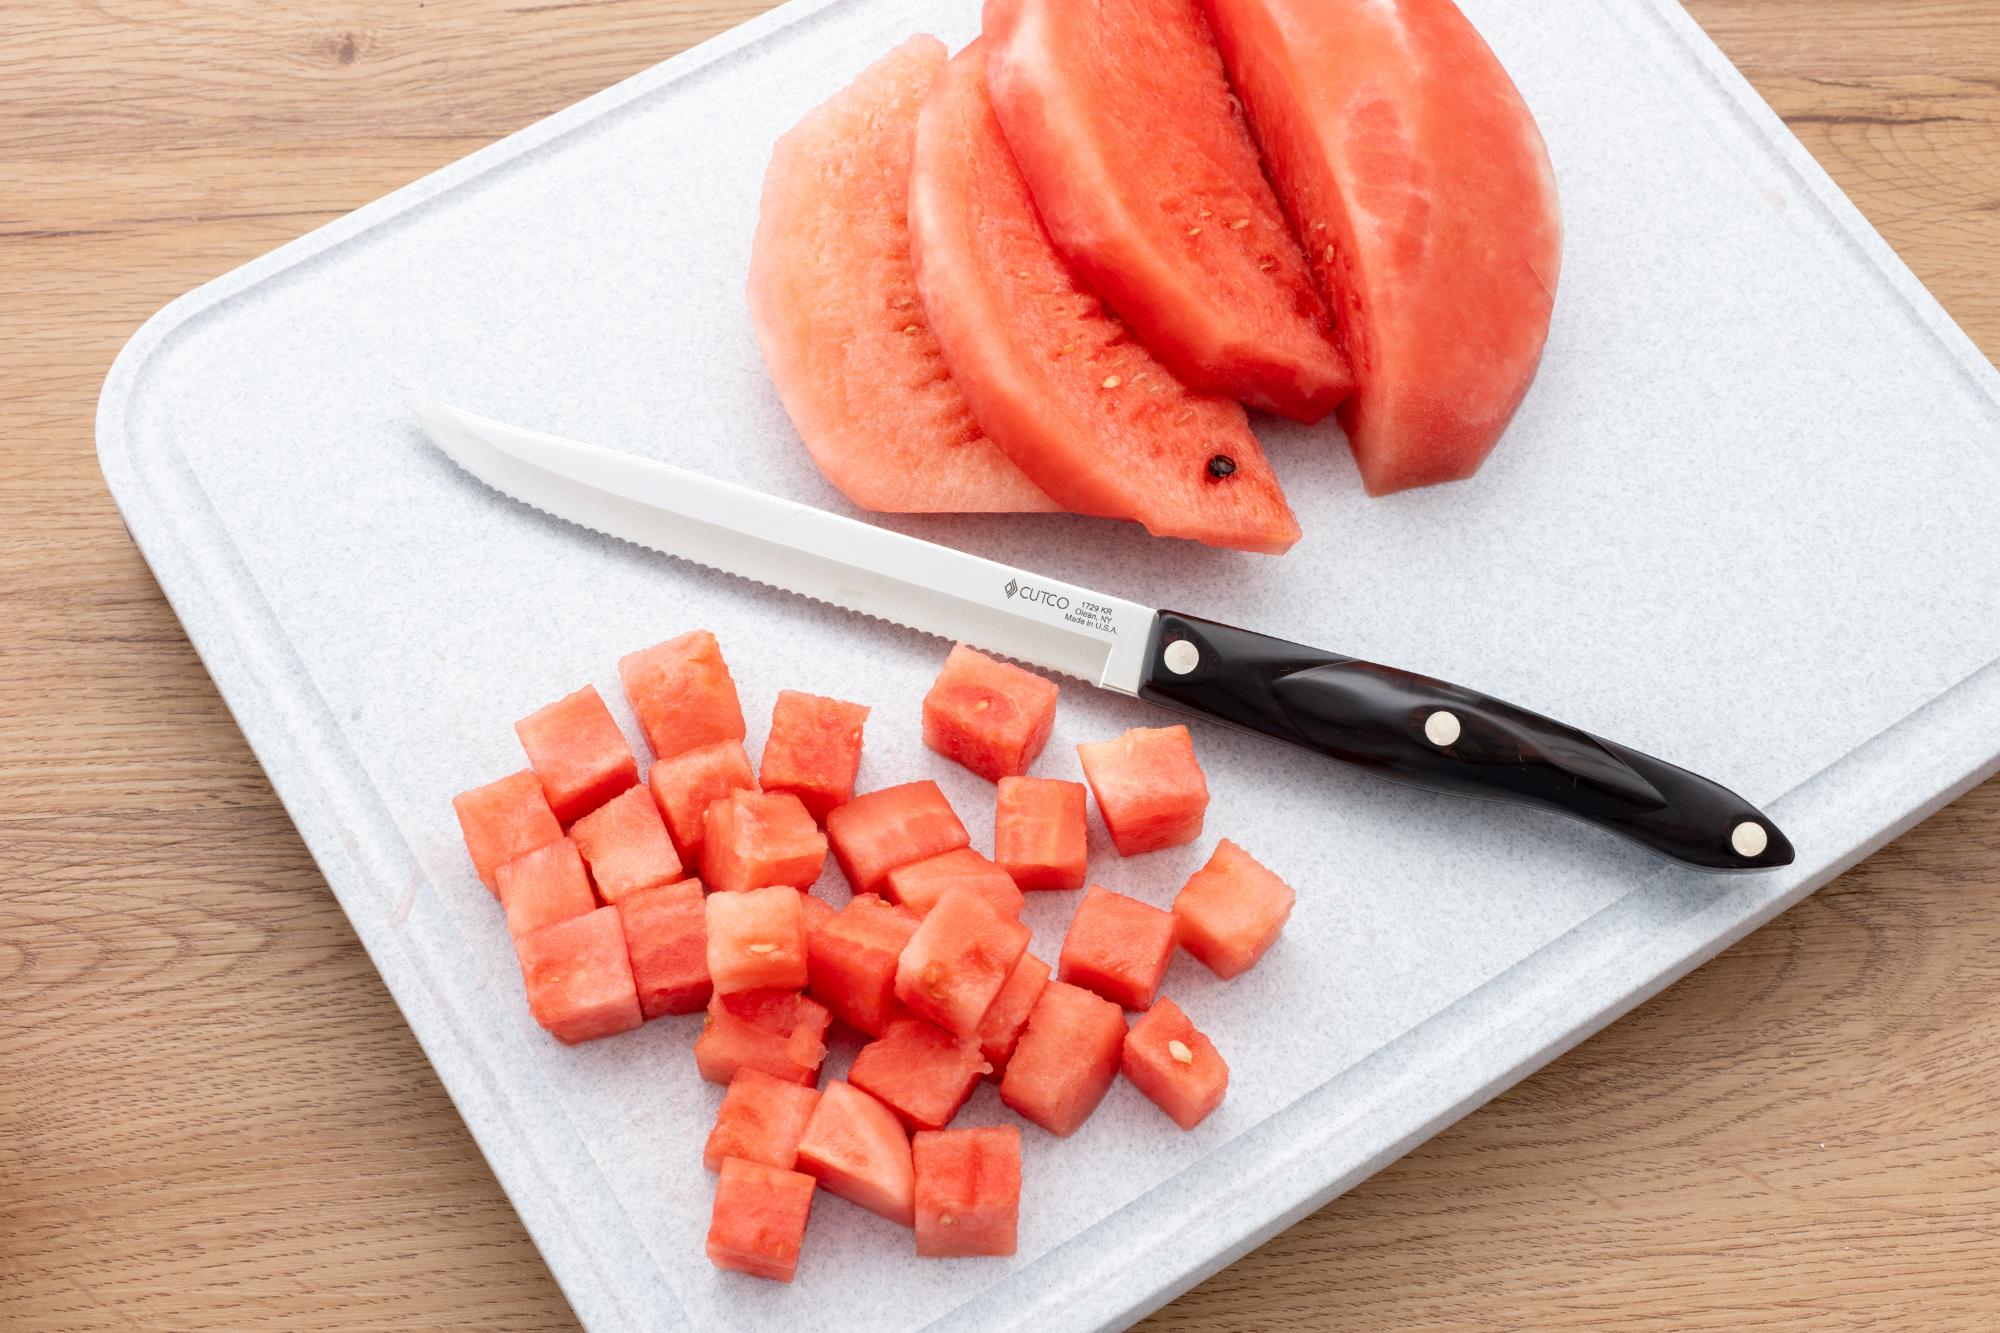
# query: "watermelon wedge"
1183,236
1415,176
1053,377
834,301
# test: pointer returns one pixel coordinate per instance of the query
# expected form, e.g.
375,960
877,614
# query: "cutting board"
1745,520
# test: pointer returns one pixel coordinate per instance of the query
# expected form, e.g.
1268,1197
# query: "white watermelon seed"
1112,381
1180,1052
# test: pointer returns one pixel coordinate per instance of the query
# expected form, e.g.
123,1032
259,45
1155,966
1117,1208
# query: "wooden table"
211,1113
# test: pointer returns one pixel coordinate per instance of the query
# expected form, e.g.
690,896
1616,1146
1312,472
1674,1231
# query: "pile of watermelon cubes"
687,892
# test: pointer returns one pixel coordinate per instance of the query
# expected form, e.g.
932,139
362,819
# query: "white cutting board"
1746,520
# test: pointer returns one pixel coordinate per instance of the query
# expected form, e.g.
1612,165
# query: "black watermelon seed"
1220,466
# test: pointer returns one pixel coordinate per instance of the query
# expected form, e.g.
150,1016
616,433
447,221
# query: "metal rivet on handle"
1181,657
1441,728
1749,838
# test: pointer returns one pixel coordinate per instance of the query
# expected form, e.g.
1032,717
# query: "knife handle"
1444,737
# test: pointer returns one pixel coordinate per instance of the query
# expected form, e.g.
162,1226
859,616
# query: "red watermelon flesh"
834,300
920,884
778,1031
756,940
626,844
855,1146
1418,181
918,1071
761,1119
1066,1059
503,820
851,961
758,839
1175,1064
1118,947
1054,378
683,694
1041,834
687,784
968,1190
1184,239
666,936
1008,1014
813,750
991,716
542,887
760,1219
578,753
958,960
579,978
893,826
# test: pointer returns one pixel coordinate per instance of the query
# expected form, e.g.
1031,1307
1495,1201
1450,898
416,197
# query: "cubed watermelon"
577,753
1041,836
1066,1058
682,693
968,1190
760,1219
778,1031
813,751
852,961
855,1146
1118,947
666,935
875,833
921,1073
920,884
1008,1014
958,960
504,819
542,887
687,784
1149,788
756,940
1169,1060
627,847
578,977
761,1119
991,716
814,911
1231,910
757,839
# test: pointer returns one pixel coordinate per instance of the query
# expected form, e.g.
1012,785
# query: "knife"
1420,731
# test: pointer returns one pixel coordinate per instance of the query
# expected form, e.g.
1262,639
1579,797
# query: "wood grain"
211,1114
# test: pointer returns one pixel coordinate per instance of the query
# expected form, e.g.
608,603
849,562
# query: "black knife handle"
1447,738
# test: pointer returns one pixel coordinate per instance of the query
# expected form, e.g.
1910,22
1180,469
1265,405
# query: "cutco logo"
1046,598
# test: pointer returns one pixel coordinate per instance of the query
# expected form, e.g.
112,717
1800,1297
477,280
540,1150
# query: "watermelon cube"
875,833
1040,834
1231,910
1008,1014
1149,788
761,1119
756,940
958,960
1066,1058
968,1190
760,1219
682,693
814,912
1169,1060
855,1146
579,978
666,936
991,716
627,847
578,753
1118,947
687,784
758,839
813,751
542,887
504,819
921,1073
920,884
851,962
778,1031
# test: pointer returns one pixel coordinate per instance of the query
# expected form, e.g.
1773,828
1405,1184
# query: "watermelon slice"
920,884
502,820
687,784
851,961
855,1146
1118,947
1054,379
542,887
813,750
958,960
1185,238
1149,788
683,694
814,911
756,940
758,839
761,1119
875,833
1419,183
1175,1065
666,937
834,301
968,1195
921,1073
991,716
1066,1059
1008,1014
578,977
578,753
1041,835
778,1031
626,845
1231,910
760,1219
